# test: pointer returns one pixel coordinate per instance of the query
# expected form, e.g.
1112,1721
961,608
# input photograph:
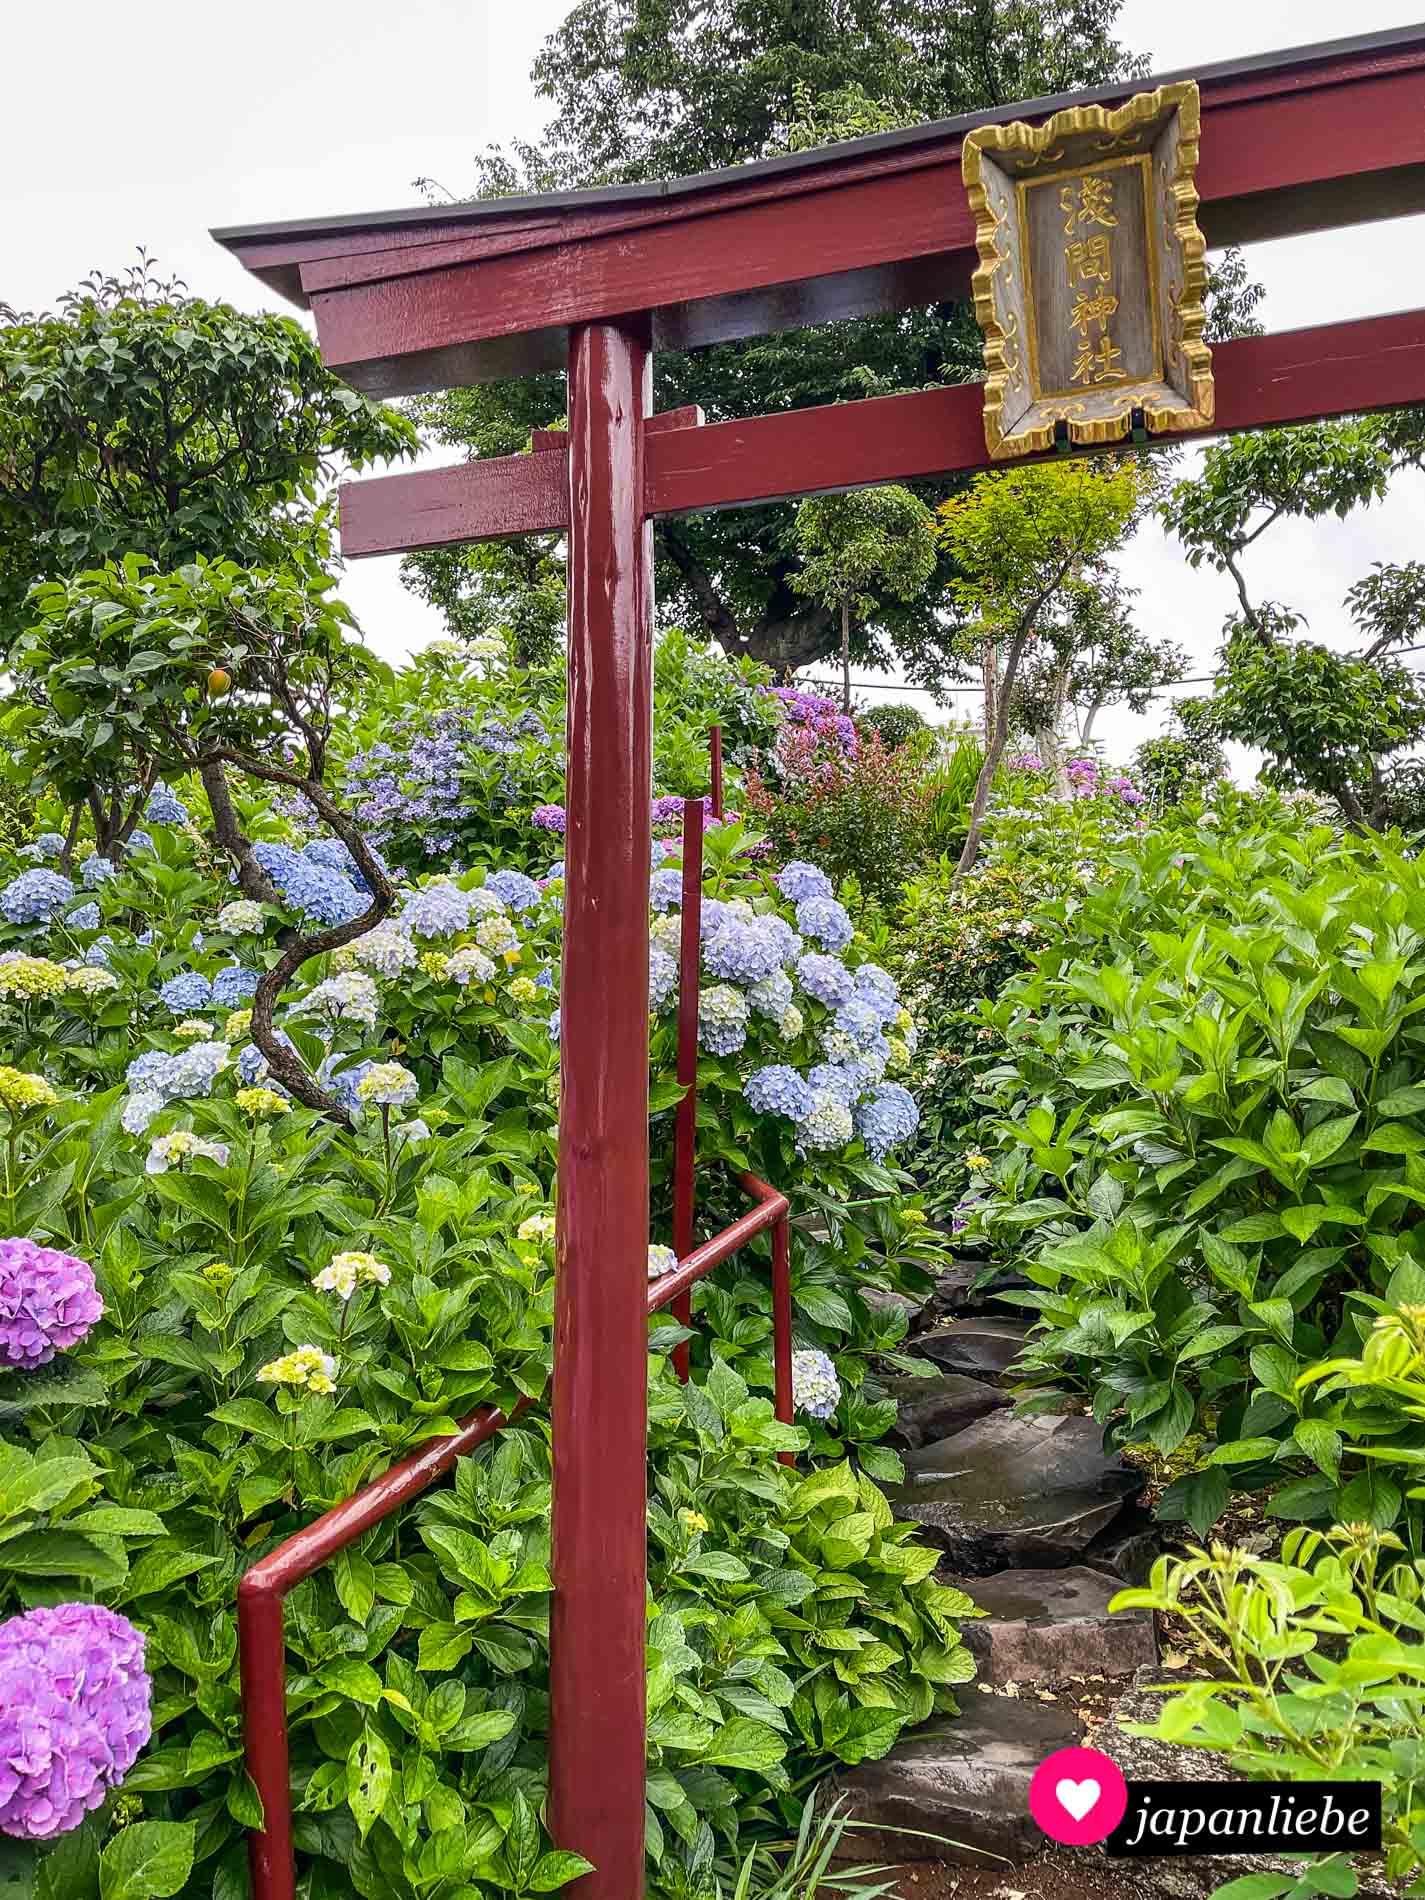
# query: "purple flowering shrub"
48,1303
74,1714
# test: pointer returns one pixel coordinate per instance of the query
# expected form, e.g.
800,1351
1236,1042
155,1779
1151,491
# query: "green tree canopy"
855,545
139,420
653,89
1022,539
1327,721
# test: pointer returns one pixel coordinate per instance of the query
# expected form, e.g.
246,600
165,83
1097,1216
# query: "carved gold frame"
1182,400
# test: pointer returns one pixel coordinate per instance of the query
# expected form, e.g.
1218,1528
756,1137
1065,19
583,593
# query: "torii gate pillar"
597,1706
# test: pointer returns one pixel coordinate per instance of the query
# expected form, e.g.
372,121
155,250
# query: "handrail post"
685,1133
597,1715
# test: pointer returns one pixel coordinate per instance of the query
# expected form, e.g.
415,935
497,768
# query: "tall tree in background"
873,538
1328,722
657,88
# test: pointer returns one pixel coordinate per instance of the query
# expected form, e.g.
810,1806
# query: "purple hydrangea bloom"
74,1714
48,1302
778,1090
233,985
825,921
799,880
34,897
667,806
513,888
549,818
826,978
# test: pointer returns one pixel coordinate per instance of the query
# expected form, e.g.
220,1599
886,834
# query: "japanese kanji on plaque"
1091,277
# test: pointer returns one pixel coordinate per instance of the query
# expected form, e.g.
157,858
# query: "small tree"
873,539
140,421
1327,721
1021,537
210,668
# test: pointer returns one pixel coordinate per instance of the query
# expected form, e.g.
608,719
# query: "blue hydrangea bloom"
825,978
49,844
825,921
35,896
742,950
85,918
97,955
514,888
712,915
233,985
778,1090
772,996
665,889
554,871
342,1082
145,937
545,980
95,871
554,1025
798,880
194,1070
187,991
860,1020
437,910
144,1071
163,808
308,886
816,1390
837,1079
662,978
333,855
887,1119
140,841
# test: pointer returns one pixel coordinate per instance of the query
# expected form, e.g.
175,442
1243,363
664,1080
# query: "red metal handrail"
262,1591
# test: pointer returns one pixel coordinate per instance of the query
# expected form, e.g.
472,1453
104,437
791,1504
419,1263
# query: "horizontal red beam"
1296,376
1314,144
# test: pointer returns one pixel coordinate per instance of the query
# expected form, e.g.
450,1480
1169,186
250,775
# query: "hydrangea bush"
221,1313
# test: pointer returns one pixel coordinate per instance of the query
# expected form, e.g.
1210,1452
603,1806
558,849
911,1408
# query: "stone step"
983,1347
964,1780
1044,1625
1008,1492
932,1409
956,1297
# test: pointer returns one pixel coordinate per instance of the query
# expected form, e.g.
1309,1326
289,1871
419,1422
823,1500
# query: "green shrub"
863,816
1315,1670
1209,1134
793,1624
896,722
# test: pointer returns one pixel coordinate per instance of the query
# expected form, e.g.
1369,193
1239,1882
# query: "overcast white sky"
148,123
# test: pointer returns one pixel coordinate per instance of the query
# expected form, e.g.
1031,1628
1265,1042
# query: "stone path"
1039,1524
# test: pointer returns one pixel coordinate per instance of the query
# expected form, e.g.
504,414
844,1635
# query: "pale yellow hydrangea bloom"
259,1102
90,980
306,1368
537,1227
19,1089
238,1026
348,1271
25,977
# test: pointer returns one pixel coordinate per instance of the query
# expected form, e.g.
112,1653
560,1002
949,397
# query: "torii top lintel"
423,298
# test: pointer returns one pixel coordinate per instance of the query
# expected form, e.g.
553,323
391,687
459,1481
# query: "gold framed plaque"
1092,273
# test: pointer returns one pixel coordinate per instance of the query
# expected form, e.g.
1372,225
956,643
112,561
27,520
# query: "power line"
1156,692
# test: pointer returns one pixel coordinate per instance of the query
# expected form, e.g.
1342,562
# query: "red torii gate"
595,281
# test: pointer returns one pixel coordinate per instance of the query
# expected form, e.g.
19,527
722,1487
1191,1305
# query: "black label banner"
1258,1817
